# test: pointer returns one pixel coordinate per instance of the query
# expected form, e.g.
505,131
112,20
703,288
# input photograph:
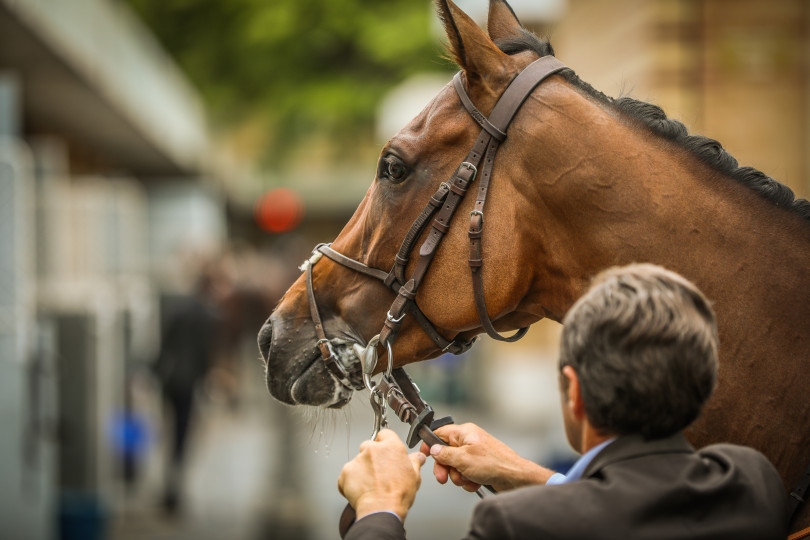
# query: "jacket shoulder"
730,490
532,512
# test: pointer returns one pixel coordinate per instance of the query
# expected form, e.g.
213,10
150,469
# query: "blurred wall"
94,117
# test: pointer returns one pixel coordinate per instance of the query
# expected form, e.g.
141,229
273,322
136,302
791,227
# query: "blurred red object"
279,210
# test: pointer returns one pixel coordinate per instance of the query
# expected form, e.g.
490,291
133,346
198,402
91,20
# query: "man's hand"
475,457
382,476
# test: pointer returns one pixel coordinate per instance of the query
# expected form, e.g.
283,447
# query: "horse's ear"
469,45
502,22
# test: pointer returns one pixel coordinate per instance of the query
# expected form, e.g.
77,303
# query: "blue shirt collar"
575,472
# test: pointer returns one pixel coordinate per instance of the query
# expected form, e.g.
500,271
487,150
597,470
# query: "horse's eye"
393,169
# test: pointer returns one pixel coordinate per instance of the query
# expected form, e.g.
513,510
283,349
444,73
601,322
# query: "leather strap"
502,114
418,226
332,363
477,115
457,187
521,87
357,266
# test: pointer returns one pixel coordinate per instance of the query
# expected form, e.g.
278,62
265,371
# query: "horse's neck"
635,198
719,234
637,203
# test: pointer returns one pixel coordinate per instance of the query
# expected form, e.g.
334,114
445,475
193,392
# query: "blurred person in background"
638,359
188,346
244,297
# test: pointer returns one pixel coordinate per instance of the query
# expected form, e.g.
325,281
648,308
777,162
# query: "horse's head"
411,167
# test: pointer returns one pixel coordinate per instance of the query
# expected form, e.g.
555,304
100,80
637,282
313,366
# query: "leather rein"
442,204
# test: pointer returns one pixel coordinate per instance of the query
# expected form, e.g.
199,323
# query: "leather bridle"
443,204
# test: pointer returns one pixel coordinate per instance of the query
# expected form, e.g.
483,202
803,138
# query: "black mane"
707,150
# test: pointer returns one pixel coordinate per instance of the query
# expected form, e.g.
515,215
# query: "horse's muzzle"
295,371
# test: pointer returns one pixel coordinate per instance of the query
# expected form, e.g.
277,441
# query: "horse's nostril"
266,340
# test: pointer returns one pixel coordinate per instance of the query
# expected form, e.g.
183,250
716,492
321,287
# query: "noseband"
442,205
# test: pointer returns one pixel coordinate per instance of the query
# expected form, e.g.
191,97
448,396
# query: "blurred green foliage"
299,67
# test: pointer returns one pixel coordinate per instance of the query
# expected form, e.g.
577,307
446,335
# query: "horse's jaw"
295,371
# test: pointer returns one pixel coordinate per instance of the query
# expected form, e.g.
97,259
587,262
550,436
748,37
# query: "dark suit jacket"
659,489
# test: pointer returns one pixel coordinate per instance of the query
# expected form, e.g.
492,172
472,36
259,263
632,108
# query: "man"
638,358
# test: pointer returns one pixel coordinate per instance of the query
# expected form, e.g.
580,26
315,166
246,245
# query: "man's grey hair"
643,342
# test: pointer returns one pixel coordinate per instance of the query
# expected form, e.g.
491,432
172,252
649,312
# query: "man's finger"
457,478
440,472
472,487
417,460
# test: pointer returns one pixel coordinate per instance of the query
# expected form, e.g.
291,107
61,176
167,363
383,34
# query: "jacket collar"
631,446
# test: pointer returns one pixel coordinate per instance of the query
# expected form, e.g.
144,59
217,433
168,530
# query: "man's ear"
471,48
502,22
573,394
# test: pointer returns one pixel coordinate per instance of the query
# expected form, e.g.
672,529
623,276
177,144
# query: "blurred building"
106,166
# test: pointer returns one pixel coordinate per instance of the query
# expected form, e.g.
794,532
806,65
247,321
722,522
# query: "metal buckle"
470,166
479,213
392,319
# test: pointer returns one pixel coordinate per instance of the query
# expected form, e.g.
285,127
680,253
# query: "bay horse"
581,182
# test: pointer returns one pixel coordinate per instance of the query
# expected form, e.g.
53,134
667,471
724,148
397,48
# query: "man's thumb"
446,455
